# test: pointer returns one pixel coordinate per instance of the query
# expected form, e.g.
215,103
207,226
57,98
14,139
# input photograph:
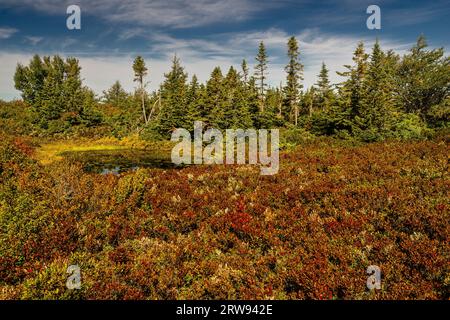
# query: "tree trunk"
143,103
154,106
296,114
281,101
261,109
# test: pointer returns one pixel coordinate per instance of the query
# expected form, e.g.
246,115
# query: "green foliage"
378,99
50,284
261,72
116,96
377,109
174,90
439,115
409,126
294,71
16,118
424,78
294,136
121,110
351,90
245,71
53,87
231,109
325,93
140,71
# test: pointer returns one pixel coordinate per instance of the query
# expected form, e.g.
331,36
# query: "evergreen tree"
377,98
253,101
140,71
53,87
294,70
261,74
309,101
325,93
424,77
173,113
53,91
212,110
126,114
194,101
245,71
340,116
236,111
30,80
115,95
273,112
377,103
72,87
351,90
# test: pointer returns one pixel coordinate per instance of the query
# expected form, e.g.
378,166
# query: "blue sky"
206,33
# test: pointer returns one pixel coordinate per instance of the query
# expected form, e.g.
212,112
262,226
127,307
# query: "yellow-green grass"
51,151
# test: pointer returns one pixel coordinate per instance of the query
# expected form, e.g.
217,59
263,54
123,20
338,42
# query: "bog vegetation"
363,180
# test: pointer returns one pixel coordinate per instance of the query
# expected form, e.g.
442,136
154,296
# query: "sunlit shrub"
225,232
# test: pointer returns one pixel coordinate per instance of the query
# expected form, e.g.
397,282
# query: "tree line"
382,95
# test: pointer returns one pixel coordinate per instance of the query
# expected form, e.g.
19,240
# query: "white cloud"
6,33
161,13
8,63
131,33
34,40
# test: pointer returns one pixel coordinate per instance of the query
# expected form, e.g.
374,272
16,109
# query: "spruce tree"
245,71
294,70
72,87
346,108
424,77
377,103
351,90
115,95
53,99
140,71
53,87
253,102
194,99
173,113
236,111
261,73
309,101
30,81
273,112
212,110
325,93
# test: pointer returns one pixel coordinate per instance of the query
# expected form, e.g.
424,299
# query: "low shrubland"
225,232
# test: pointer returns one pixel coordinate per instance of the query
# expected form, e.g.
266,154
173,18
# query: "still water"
119,161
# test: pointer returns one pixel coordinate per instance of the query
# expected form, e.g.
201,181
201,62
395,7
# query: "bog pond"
121,160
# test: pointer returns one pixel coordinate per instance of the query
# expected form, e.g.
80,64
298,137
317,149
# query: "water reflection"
119,161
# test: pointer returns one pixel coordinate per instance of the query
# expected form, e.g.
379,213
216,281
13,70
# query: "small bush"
409,126
294,136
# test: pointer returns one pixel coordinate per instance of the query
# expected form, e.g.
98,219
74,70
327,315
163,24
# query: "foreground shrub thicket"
225,232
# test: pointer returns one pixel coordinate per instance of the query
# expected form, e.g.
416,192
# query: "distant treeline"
383,95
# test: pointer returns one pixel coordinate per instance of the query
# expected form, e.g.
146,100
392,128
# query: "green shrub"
294,136
409,126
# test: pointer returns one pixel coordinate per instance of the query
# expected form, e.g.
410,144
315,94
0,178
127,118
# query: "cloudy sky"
206,33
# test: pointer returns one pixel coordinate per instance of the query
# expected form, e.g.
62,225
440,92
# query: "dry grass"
51,151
